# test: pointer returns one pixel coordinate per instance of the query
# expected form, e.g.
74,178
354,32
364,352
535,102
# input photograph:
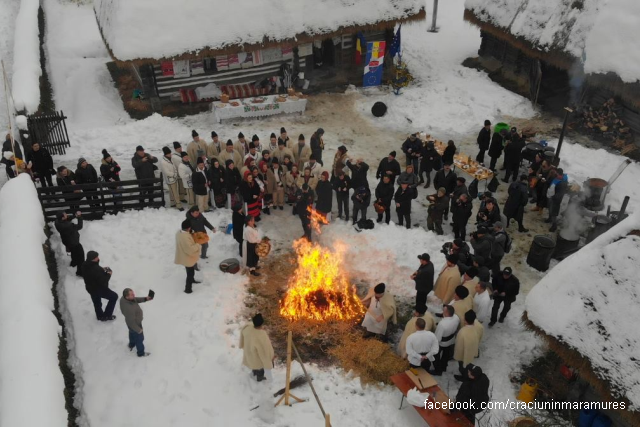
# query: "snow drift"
31,389
26,58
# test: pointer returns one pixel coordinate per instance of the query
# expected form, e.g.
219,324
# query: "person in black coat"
304,199
496,147
403,197
86,174
70,236
109,168
317,145
384,196
430,161
6,146
438,205
198,224
482,243
517,200
216,176
66,178
341,185
358,173
361,200
41,164
232,178
238,220
412,148
489,214
473,393
143,165
447,179
460,212
557,189
513,155
324,191
424,279
389,165
460,188
96,281
449,152
506,287
484,139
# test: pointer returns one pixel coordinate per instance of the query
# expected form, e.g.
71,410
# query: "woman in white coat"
251,237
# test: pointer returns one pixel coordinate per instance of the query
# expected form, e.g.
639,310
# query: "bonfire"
319,288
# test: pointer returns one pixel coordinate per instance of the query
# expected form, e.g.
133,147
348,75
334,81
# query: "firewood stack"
606,122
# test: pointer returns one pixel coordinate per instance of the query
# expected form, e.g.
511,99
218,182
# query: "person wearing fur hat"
276,184
361,200
216,176
176,158
467,343
96,282
438,203
241,145
273,143
143,164
70,236
201,185
232,179
41,164
288,142
423,277
171,178
339,162
229,153
384,196
474,392
281,151
257,351
419,312
256,143
462,302
324,191
403,197
252,154
215,147
301,152
317,145
187,252
430,161
250,238
185,172
381,308
448,280
460,214
388,166
469,280
130,309
250,191
197,148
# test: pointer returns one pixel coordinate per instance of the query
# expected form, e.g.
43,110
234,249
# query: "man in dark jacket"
446,178
473,393
384,196
460,188
513,155
198,224
482,243
403,197
143,164
304,197
96,281
506,287
424,279
361,200
66,178
438,204
496,147
484,139
412,147
358,173
517,200
341,185
557,189
460,212
86,174
324,191
41,164
389,166
317,145
489,214
232,178
6,146
430,161
500,241
130,308
71,238
238,219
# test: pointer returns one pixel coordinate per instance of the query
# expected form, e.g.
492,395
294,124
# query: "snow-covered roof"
135,29
588,302
600,33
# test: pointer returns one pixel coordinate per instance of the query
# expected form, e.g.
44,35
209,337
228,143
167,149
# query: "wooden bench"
433,417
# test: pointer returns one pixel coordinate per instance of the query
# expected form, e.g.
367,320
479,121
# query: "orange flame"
319,289
316,219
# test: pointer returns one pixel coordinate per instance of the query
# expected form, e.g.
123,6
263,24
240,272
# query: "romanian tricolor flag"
361,44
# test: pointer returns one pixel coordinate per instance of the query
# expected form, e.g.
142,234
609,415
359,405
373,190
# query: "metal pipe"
433,28
623,209
556,157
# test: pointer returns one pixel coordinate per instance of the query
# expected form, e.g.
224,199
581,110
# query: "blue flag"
395,44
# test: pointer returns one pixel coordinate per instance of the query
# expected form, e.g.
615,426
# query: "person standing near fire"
187,252
422,346
419,312
304,197
424,279
381,309
251,237
258,354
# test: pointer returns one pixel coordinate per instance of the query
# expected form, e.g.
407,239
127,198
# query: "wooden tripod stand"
287,394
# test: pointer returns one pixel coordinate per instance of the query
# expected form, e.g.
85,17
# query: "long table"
466,163
269,106
433,417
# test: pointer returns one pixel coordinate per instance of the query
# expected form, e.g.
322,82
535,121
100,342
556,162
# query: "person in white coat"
446,334
185,171
251,237
482,303
171,178
176,158
422,346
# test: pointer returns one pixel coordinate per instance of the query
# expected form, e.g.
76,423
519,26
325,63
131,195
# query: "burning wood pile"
606,121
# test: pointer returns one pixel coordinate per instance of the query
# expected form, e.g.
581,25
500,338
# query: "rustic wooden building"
563,52
170,49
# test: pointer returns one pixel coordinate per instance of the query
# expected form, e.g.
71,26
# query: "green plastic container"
499,126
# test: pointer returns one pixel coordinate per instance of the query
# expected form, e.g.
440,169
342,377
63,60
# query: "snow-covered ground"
7,29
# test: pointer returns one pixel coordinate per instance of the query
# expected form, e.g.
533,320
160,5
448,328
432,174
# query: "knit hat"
194,133
186,224
462,292
213,134
273,135
461,179
252,145
81,160
487,123
240,135
176,145
325,174
470,317
301,137
452,258
199,161
393,154
471,272
184,154
91,255
343,149
255,138
105,154
166,150
379,289
507,271
282,130
139,148
320,131
257,320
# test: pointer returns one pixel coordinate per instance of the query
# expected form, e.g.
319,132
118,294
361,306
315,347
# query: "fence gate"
50,131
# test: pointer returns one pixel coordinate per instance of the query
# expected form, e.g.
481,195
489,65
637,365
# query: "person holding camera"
130,308
488,215
96,280
482,243
70,236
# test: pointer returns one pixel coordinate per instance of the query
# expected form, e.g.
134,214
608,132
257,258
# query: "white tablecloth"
249,109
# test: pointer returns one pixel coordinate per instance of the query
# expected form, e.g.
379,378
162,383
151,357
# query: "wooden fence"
50,130
96,200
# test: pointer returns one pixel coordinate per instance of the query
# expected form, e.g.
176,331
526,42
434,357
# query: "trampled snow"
26,58
585,302
172,28
31,385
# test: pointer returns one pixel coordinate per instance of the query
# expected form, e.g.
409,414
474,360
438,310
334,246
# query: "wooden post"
327,421
287,393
